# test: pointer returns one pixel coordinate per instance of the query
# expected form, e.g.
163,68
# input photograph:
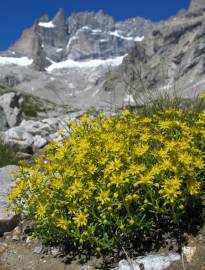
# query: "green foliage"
31,106
7,154
165,101
114,177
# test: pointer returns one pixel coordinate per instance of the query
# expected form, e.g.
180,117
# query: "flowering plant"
113,176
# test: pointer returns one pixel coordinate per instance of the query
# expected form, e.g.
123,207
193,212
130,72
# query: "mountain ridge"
74,57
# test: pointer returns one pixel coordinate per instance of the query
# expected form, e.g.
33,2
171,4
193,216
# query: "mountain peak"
44,18
196,5
59,18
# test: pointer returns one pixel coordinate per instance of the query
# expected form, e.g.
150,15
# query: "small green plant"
7,154
113,177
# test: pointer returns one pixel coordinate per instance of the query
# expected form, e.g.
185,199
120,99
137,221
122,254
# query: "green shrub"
7,154
114,177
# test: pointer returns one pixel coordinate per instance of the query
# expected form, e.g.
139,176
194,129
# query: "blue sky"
16,15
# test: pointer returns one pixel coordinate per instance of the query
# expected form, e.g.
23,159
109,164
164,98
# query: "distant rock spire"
196,5
60,18
44,18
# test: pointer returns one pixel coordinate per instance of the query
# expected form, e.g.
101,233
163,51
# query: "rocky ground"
28,255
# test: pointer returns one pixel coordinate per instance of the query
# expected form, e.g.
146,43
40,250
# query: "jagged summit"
60,18
77,54
196,5
81,36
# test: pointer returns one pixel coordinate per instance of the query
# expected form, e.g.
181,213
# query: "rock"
40,62
3,120
87,267
196,5
19,137
8,220
58,251
3,248
16,235
10,80
189,252
11,107
162,63
31,135
7,224
59,19
21,155
150,262
38,249
39,142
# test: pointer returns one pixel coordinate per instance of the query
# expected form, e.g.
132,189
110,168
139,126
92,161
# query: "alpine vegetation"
114,177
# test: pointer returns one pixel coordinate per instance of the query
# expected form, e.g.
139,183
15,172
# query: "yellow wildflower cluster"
114,175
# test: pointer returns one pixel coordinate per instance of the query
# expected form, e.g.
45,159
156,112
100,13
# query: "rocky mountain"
196,5
171,59
88,59
81,36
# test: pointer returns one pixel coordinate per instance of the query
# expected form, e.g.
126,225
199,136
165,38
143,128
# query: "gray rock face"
196,5
83,35
170,59
8,220
3,120
10,103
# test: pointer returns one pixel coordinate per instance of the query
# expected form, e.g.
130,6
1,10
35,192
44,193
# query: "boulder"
8,219
30,134
3,120
20,137
150,262
10,103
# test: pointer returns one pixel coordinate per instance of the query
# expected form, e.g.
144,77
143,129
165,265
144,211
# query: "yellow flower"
185,158
165,124
118,180
41,209
171,189
104,196
145,179
62,223
81,219
141,149
84,119
193,186
135,169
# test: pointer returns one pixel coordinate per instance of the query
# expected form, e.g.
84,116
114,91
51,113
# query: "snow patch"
86,28
47,24
117,34
139,39
104,40
20,61
86,64
96,31
50,60
59,50
70,41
